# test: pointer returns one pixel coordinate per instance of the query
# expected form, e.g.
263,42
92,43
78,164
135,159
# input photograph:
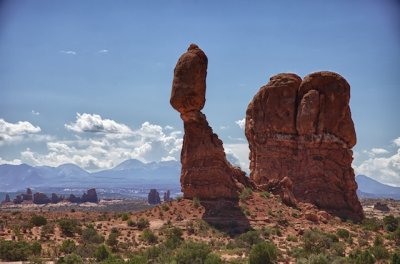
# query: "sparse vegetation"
68,226
142,223
38,220
263,253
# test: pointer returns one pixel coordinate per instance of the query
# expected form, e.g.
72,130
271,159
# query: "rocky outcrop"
40,198
206,173
7,199
153,197
167,196
90,196
55,198
381,207
302,130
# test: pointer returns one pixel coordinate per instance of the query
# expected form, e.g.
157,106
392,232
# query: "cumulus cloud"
241,123
95,123
12,162
384,168
397,141
238,154
10,132
68,52
96,151
35,113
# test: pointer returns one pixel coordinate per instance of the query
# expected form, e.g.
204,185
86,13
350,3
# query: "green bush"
316,241
112,240
192,252
395,258
213,259
196,202
70,259
343,233
68,246
263,253
245,194
68,226
125,217
90,235
101,253
248,239
38,220
142,223
359,256
378,250
15,250
36,248
174,237
372,224
149,236
138,259
130,223
390,223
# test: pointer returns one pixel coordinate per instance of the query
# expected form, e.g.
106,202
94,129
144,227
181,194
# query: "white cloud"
397,141
241,123
35,113
383,169
240,151
103,51
12,162
68,52
223,127
168,127
96,151
11,132
95,123
379,151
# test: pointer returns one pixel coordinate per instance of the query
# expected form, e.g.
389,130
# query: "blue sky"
114,60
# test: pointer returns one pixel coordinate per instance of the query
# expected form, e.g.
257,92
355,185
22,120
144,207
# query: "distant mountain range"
132,173
370,188
129,173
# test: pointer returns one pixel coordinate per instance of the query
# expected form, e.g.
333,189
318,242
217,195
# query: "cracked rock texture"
206,173
302,130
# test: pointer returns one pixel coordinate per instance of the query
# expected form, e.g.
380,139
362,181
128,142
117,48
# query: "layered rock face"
302,130
206,173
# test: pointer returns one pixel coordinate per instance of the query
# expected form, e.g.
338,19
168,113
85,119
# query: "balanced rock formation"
302,130
206,173
153,197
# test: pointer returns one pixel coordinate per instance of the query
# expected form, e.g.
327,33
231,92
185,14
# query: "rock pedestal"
153,197
206,173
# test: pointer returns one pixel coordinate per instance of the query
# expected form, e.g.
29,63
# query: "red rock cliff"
302,130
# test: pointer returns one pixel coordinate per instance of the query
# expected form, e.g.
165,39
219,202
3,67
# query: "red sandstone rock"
206,173
308,142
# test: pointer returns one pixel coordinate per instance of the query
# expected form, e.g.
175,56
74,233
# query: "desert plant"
192,252
90,235
38,220
124,217
372,224
68,226
174,237
15,250
142,223
112,240
245,194
263,253
68,246
101,253
196,202
70,259
149,236
213,259
248,239
343,233
390,223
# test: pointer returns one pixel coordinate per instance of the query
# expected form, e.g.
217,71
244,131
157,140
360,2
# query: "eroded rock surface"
206,173
302,130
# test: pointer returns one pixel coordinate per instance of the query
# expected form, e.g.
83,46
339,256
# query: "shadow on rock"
226,216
